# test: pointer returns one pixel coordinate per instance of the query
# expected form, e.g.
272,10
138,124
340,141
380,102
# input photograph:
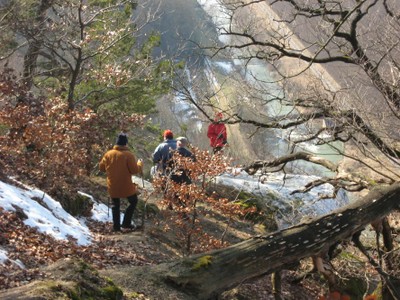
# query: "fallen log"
206,275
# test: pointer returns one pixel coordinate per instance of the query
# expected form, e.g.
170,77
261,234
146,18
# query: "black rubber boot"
127,222
116,214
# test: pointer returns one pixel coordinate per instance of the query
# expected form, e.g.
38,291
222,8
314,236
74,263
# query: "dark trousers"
116,204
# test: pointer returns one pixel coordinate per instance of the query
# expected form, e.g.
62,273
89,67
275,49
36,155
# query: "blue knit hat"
122,139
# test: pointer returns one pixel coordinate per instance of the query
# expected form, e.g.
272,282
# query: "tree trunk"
35,42
206,275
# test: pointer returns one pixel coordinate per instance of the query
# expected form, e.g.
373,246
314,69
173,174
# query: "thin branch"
255,166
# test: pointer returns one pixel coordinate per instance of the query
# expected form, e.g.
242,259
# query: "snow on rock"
44,213
276,189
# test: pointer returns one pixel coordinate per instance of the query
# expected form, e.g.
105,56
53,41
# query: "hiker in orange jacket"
120,164
217,133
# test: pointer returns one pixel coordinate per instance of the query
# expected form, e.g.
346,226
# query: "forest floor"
159,246
111,254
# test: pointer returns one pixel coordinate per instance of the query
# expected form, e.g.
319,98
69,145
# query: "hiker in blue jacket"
163,153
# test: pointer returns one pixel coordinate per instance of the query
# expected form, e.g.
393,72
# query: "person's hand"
140,165
140,162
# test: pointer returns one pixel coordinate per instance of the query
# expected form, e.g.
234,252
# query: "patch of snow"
3,256
44,213
277,188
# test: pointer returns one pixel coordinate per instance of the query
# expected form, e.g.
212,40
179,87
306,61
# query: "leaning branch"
347,183
262,164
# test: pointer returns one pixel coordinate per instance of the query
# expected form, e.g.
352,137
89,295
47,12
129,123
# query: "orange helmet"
168,134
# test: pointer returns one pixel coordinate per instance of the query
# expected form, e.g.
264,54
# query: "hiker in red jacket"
217,133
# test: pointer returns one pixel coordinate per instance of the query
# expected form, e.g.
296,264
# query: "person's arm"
222,135
133,166
187,153
157,155
102,164
140,165
192,157
225,135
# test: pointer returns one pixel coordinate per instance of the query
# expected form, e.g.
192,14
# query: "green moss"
108,280
3,129
135,295
57,290
79,205
355,287
247,200
153,128
202,262
83,266
151,208
48,82
79,281
349,256
112,292
378,292
263,215
246,204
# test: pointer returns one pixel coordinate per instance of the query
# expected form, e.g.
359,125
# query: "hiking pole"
144,191
145,202
108,208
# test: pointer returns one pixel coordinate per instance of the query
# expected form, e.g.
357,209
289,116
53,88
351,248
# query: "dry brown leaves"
29,248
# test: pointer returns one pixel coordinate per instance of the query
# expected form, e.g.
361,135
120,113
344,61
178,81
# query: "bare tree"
335,66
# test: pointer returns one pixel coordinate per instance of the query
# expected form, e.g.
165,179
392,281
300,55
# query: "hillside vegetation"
77,73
